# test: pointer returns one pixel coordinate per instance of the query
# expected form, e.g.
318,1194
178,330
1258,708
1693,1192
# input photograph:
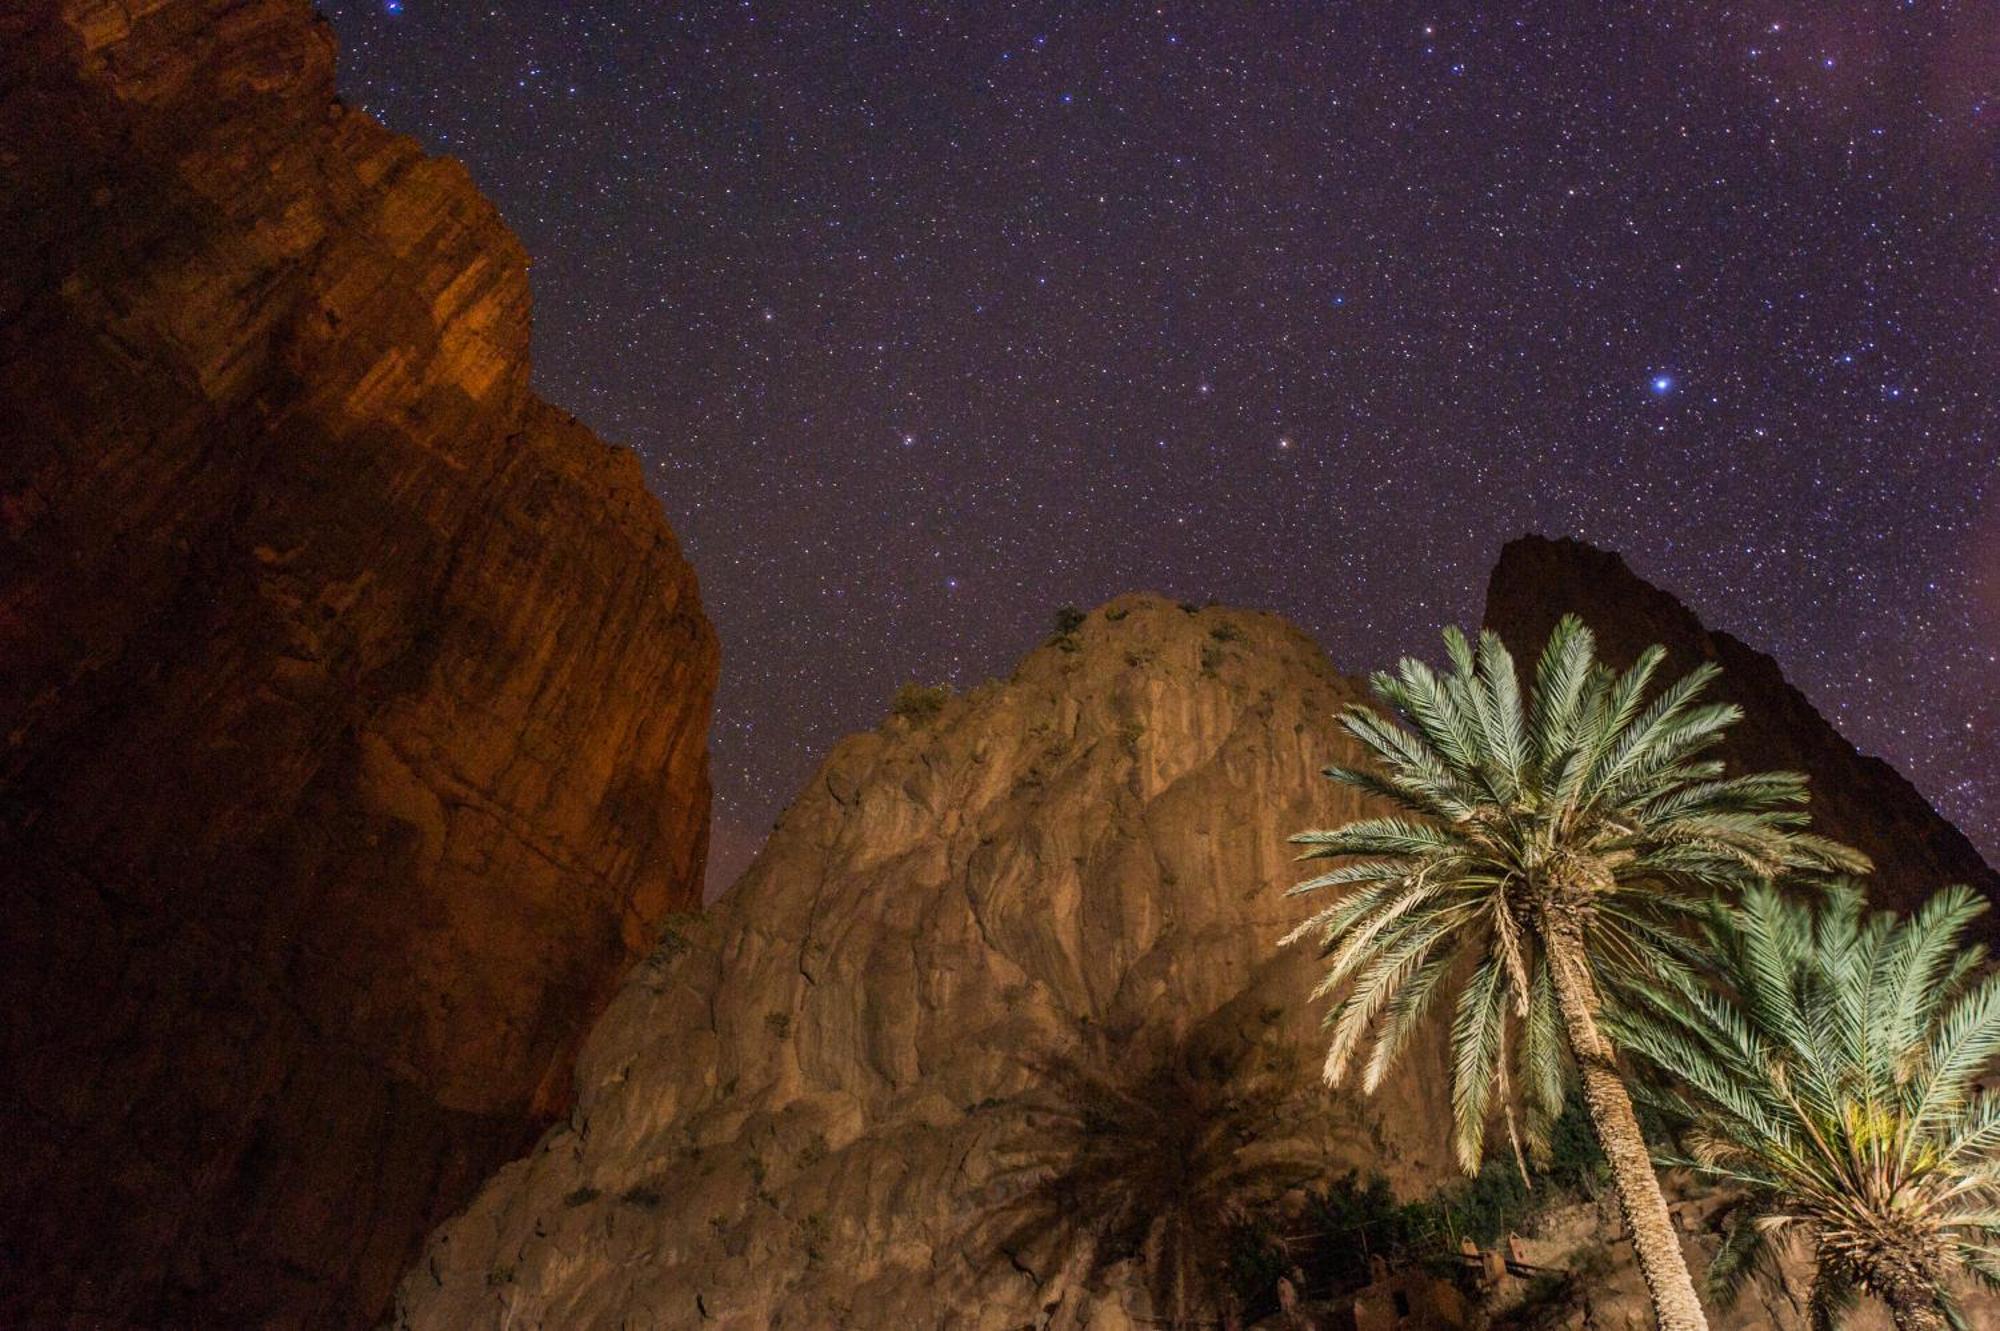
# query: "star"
1662,384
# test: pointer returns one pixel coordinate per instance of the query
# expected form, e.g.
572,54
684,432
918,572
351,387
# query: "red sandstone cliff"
353,698
1859,799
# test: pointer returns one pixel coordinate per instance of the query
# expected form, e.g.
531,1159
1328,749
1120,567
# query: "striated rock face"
1855,798
808,1108
353,698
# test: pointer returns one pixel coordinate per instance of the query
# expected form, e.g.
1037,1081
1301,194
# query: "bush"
1349,1220
673,943
918,703
1068,620
1576,1162
1257,1261
1482,1208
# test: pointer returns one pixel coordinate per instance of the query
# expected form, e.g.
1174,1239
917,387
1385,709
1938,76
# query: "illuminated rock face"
1855,798
807,1108
804,1109
353,698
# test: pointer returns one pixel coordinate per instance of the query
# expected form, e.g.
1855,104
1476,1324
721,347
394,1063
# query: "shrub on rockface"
1347,1220
918,703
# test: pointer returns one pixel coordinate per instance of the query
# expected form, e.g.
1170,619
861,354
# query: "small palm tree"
1833,1082
1551,839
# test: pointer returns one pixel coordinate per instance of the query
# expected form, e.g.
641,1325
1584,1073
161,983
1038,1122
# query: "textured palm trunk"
1911,1296
1639,1196
1916,1312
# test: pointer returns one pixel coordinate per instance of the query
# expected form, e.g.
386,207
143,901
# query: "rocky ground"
1588,1240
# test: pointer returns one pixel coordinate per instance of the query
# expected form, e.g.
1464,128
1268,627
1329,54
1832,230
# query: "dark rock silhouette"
1856,798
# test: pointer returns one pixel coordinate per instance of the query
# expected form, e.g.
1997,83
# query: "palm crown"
1539,843
1832,1078
1588,806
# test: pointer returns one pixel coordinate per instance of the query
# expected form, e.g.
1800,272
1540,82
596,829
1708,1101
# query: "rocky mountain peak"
997,940
1080,866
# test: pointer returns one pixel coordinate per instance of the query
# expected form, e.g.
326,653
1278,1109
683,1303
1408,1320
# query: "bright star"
1662,385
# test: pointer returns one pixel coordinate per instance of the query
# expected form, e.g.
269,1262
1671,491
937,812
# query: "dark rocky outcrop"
1856,798
353,698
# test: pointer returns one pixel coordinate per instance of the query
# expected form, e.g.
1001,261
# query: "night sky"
928,321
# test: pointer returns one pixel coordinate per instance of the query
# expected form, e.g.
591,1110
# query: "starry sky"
928,320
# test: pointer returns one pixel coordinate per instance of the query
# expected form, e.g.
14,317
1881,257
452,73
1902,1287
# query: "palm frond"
1828,1064
1475,1044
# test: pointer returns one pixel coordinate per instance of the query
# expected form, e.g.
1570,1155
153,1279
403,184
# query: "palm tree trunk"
1911,1296
1639,1196
1915,1311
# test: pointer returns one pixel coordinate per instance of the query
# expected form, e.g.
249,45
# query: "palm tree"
1551,840
1833,1081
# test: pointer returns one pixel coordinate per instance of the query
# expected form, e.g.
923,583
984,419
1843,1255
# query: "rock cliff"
1859,799
810,1107
1077,867
353,698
